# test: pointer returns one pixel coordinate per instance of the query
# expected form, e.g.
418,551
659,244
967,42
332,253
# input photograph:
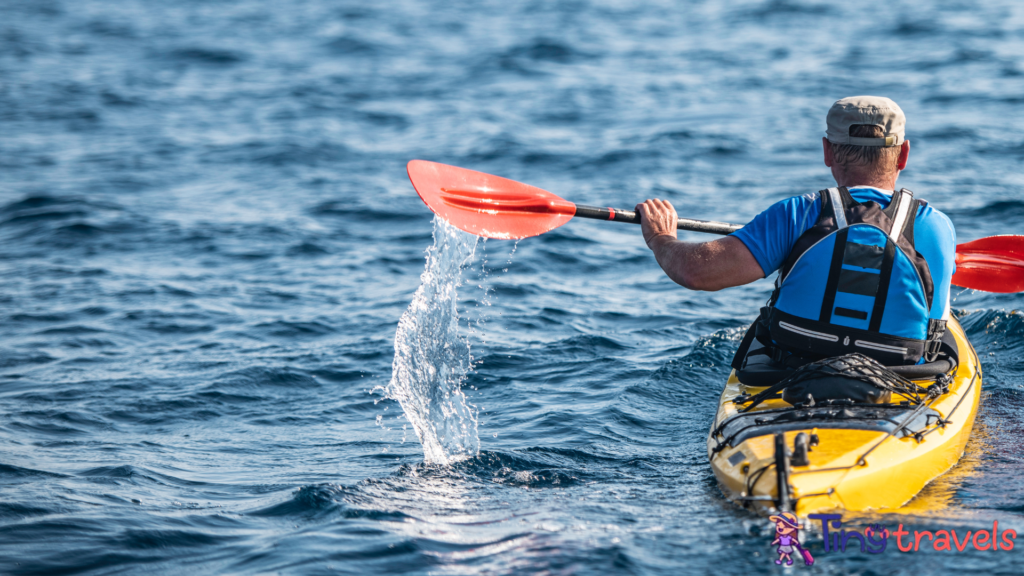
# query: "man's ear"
901,163
829,160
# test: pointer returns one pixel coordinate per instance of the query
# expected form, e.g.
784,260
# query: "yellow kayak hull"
850,469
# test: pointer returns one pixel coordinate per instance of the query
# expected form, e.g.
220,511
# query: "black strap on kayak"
763,395
758,331
741,352
855,367
936,337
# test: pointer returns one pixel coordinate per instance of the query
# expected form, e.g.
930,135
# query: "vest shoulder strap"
837,204
903,202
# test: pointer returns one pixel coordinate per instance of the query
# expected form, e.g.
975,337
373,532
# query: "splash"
432,359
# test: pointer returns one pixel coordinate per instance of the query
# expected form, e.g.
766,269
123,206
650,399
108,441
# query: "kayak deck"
866,457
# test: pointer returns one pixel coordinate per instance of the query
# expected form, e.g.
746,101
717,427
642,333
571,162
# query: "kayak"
810,459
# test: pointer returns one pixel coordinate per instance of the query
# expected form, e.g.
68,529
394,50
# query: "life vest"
853,283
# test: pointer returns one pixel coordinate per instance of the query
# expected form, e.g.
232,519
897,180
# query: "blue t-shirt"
771,235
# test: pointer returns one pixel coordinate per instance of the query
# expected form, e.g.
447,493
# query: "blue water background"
207,239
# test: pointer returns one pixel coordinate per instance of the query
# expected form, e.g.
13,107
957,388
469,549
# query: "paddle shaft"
632,217
496,207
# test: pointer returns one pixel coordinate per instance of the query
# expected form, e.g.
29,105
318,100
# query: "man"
862,268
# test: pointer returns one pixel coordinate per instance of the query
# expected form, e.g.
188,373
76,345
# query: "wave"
9,471
1001,210
260,377
73,222
998,338
364,213
143,539
292,330
110,29
13,359
546,50
782,9
994,330
136,475
73,330
351,46
540,467
280,153
528,58
307,249
320,500
206,56
918,26
11,511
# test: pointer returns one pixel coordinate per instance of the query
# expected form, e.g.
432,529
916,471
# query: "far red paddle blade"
486,205
993,264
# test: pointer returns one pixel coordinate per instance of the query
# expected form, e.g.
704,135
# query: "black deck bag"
853,377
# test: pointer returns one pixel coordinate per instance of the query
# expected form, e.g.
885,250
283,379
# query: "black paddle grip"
633,217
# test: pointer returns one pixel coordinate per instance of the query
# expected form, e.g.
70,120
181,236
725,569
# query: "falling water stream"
432,358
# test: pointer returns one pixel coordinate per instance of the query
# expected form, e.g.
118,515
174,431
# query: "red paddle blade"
993,264
486,205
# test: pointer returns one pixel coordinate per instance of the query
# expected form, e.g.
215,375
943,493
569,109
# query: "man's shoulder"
928,210
929,215
800,201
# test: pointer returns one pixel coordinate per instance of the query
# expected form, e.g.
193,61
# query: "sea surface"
234,341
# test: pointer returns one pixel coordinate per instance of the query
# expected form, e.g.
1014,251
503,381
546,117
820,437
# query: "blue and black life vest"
853,283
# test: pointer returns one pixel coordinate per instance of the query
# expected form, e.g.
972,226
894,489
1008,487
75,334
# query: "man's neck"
855,186
854,179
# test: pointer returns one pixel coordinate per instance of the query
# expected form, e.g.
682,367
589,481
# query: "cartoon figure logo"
786,528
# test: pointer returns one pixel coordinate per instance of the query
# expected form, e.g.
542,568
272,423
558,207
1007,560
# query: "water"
432,358
208,241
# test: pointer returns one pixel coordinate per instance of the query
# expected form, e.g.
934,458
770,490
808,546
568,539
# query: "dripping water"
432,358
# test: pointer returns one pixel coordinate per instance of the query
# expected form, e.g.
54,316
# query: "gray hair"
848,155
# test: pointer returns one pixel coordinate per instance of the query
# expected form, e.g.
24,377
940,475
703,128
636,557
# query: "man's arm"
714,265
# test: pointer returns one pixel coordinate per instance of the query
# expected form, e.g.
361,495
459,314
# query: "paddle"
992,264
496,207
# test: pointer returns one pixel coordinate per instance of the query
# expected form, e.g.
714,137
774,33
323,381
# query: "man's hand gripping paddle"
496,207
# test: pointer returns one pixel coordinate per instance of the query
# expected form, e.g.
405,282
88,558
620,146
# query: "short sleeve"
771,235
935,239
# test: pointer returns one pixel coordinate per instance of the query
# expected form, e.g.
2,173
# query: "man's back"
772,234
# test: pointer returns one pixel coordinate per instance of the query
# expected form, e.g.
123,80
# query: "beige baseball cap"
874,110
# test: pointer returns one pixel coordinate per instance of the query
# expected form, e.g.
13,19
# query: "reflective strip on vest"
809,333
837,207
900,220
879,347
